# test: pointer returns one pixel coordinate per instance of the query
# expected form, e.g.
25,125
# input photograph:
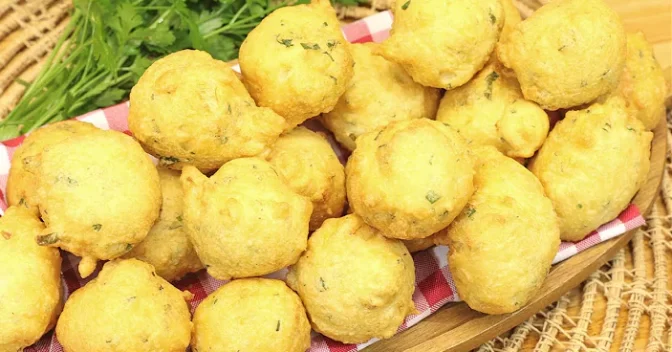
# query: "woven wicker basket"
624,306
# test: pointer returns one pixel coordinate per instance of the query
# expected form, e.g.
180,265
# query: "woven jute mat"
624,306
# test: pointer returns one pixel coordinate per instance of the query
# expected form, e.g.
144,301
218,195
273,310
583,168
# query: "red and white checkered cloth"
434,284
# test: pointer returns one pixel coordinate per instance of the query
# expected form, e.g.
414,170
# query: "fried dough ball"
167,246
380,92
410,179
355,283
310,168
443,44
260,315
642,84
567,53
98,194
191,109
30,281
297,62
22,178
503,242
592,164
127,308
244,220
490,110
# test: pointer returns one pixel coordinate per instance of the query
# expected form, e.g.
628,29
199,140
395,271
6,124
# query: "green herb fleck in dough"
324,286
168,160
580,206
631,129
286,42
406,5
325,24
470,212
432,197
97,227
22,201
331,57
48,239
331,43
490,79
493,19
334,79
277,327
352,136
311,46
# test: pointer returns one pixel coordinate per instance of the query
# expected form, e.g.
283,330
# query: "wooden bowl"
456,327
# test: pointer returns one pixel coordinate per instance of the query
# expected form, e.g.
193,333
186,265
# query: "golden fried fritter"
98,194
259,315
30,281
244,220
355,283
642,84
296,61
167,246
503,242
409,179
127,308
191,109
443,44
380,92
310,168
22,178
568,53
592,164
490,110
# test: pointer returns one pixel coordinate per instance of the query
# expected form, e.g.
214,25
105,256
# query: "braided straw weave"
624,306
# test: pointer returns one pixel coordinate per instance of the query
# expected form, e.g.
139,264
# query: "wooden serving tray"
456,328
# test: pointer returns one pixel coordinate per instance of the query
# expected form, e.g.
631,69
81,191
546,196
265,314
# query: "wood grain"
457,328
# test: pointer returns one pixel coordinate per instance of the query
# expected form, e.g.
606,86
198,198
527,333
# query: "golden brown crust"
127,308
443,44
244,221
30,281
190,109
297,62
410,179
582,163
263,315
355,283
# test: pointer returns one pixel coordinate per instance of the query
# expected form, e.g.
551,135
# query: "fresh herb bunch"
108,44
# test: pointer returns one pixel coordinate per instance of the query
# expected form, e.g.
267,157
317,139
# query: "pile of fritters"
448,125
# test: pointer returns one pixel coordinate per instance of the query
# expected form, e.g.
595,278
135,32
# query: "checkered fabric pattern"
434,284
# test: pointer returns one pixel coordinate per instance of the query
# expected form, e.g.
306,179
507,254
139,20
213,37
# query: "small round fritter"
567,53
310,167
419,244
441,43
30,281
22,178
98,194
380,92
127,308
490,110
643,84
410,179
592,164
244,220
167,246
503,242
355,283
260,315
297,62
191,109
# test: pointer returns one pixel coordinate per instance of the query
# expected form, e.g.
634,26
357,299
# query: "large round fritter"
190,109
